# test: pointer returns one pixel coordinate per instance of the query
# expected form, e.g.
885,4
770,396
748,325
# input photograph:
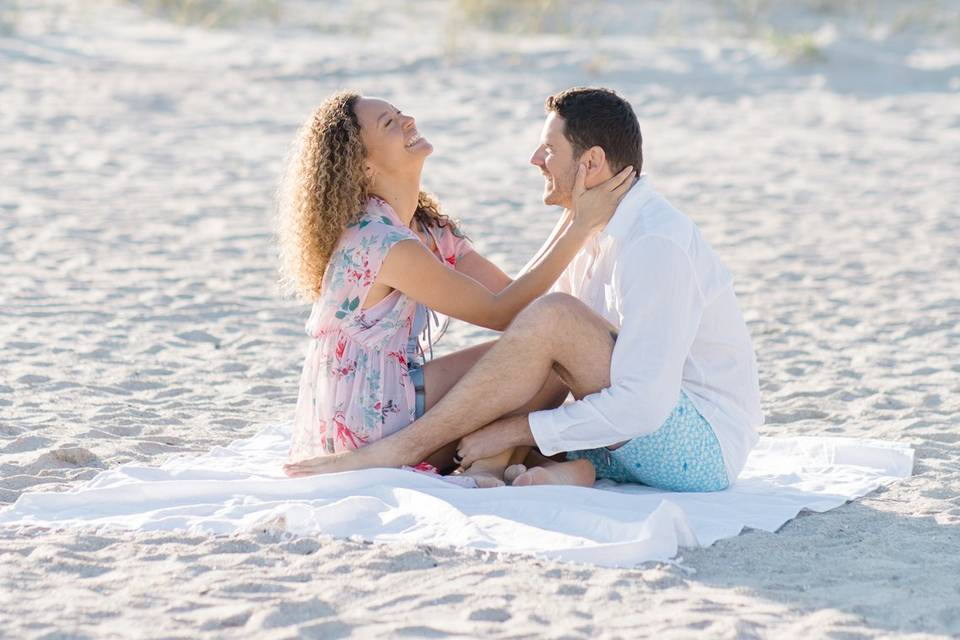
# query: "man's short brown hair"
599,117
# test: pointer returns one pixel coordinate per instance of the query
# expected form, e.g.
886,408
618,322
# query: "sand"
817,149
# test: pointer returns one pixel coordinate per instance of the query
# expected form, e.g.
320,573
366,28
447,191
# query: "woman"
363,241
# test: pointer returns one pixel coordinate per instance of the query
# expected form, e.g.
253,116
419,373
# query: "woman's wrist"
578,230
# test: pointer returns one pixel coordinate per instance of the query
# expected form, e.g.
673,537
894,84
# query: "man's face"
554,158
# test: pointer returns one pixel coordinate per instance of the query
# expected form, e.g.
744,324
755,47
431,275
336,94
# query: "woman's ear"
369,172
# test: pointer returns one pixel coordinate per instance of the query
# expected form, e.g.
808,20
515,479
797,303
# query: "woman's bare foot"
579,473
391,452
332,463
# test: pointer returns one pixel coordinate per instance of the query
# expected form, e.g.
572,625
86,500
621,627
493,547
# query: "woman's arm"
483,271
412,269
491,276
562,223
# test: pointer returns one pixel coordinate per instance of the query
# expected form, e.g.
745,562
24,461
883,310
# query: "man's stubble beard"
562,195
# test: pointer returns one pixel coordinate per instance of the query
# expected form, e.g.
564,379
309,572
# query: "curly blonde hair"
325,189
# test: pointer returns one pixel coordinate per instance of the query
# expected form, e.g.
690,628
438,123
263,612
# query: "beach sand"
817,149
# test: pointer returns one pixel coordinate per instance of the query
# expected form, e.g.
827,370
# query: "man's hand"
495,438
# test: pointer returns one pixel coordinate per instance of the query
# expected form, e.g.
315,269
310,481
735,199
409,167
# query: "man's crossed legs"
554,345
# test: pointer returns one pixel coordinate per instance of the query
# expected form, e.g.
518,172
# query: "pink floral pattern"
355,387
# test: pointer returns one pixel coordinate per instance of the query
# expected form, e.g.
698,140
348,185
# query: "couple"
640,325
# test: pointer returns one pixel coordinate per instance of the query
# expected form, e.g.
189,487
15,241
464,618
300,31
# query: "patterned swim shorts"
682,455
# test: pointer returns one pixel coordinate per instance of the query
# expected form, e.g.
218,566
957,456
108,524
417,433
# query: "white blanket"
241,487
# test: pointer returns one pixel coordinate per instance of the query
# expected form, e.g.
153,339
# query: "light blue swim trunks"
682,455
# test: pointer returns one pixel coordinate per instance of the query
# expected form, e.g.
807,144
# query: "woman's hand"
593,208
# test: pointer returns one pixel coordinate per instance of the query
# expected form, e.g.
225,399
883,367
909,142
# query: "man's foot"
512,472
484,479
575,472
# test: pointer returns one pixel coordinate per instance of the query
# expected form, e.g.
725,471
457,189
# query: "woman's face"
390,138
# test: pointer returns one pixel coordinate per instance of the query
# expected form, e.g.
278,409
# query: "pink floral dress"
355,387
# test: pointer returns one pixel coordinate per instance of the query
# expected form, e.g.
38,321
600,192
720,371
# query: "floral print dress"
355,387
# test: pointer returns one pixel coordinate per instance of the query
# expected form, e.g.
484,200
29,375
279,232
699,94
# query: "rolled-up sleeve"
661,306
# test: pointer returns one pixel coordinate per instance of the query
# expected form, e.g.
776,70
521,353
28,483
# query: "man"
643,328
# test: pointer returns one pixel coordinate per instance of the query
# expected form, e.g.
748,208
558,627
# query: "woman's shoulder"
377,215
452,243
375,227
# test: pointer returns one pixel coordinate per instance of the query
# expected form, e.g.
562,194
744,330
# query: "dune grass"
768,21
750,15
211,13
519,16
795,47
9,17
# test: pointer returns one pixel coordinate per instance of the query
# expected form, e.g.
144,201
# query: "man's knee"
547,310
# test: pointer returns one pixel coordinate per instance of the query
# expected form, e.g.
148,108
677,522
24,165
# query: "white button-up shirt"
652,275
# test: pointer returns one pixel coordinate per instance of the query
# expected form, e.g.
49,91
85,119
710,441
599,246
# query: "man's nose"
409,121
536,159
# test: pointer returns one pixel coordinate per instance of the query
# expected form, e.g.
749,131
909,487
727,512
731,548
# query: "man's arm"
662,306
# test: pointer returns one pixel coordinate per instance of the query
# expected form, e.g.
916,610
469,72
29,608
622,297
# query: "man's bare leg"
555,333
489,472
441,374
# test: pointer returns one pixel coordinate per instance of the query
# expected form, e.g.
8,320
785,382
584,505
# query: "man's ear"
595,158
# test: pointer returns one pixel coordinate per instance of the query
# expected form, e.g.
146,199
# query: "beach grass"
800,48
769,22
751,15
519,16
9,17
211,13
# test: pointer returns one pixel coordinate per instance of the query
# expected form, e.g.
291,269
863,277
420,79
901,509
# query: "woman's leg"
556,333
439,376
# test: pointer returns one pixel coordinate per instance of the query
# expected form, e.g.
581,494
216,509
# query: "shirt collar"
377,204
622,221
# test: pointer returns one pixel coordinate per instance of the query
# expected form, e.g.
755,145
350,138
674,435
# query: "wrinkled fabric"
241,487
